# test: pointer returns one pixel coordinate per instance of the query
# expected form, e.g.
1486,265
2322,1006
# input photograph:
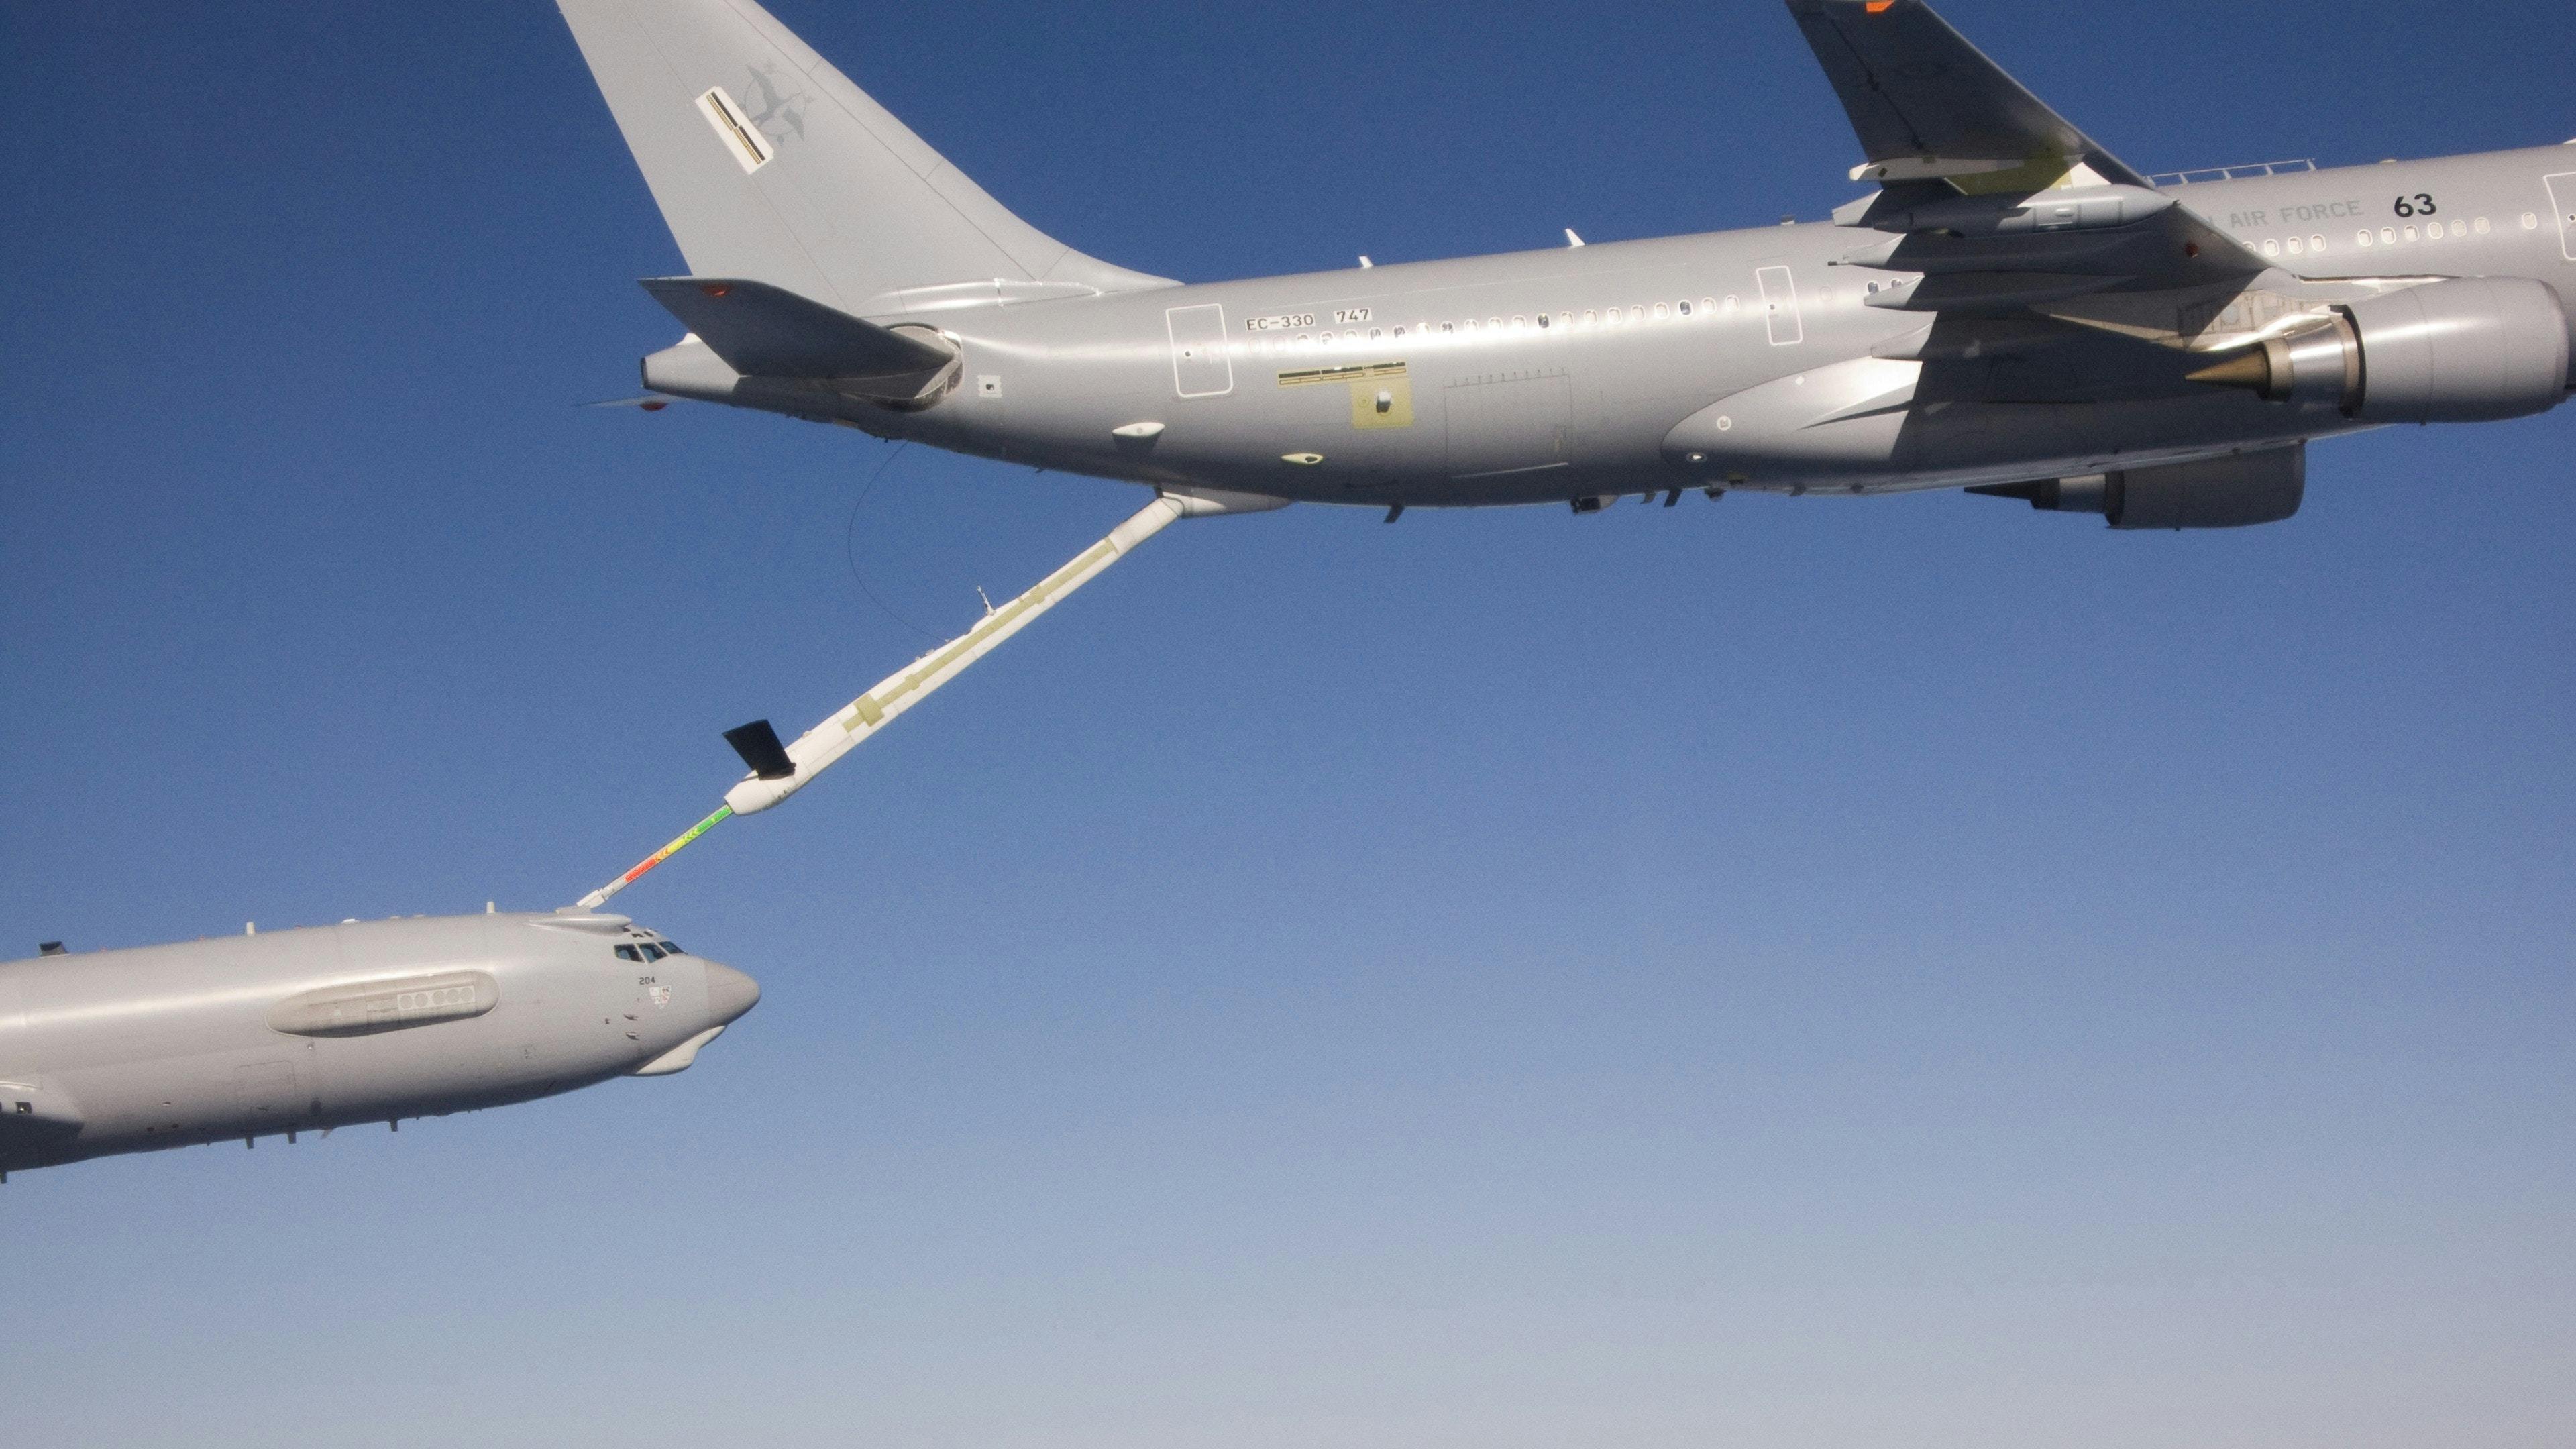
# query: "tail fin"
769,165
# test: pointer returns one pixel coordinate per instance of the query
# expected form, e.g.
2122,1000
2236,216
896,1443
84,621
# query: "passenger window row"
2389,236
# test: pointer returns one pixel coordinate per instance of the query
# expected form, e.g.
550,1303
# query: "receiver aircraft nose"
729,993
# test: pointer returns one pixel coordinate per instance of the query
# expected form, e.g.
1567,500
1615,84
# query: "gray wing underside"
1937,120
1915,88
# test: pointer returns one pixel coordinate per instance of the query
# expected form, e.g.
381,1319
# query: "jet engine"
2472,349
2227,492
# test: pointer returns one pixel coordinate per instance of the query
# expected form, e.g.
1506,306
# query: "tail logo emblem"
778,112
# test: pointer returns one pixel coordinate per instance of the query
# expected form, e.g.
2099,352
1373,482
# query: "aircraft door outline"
1780,315
264,1093
1200,367
2562,200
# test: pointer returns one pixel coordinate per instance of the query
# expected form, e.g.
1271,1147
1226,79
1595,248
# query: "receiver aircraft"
256,1035
2010,308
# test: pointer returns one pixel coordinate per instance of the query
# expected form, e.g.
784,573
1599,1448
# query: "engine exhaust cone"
2251,369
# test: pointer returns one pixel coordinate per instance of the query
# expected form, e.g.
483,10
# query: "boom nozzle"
778,771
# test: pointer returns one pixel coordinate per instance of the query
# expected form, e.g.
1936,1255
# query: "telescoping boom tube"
778,772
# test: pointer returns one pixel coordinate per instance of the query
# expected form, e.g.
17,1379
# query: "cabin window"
1376,332
1685,306
2410,231
2531,221
1662,312
1591,317
2459,228
1520,319
2297,246
2271,248
2316,243
1730,304
1709,304
2482,226
1493,321
1399,332
1445,327
2362,237
1542,319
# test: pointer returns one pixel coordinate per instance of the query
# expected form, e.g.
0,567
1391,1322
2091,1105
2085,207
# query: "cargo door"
264,1096
1508,422
2562,200
1200,367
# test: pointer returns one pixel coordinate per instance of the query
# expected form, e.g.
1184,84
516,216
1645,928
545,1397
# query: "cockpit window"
674,948
653,952
628,953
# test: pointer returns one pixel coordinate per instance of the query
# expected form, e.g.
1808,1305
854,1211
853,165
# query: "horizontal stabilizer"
765,331
758,745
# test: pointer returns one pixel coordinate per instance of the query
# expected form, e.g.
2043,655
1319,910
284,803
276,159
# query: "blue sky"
1913,971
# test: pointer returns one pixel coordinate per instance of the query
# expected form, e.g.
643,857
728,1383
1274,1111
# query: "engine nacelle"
2469,350
2228,492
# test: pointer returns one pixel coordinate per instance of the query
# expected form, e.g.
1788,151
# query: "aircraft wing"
1998,200
1923,99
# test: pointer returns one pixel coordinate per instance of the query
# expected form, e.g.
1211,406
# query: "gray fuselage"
1503,379
245,1036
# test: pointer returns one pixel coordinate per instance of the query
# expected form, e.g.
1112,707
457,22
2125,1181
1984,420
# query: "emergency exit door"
2562,200
1780,316
1200,367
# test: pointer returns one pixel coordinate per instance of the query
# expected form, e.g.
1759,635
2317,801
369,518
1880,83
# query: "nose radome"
729,992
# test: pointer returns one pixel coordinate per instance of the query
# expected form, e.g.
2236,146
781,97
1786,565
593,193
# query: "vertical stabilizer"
769,165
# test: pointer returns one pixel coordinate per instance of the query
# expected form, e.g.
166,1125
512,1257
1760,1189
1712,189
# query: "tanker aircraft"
2010,308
